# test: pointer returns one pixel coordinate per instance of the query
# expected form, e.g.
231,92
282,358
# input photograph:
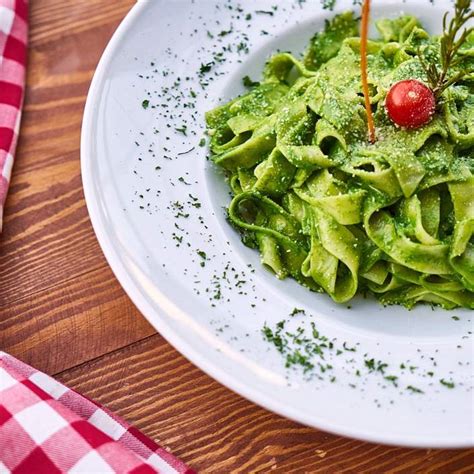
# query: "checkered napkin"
13,40
46,427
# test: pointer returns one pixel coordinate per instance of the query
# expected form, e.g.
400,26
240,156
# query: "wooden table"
62,310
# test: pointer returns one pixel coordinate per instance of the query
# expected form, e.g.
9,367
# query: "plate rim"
204,363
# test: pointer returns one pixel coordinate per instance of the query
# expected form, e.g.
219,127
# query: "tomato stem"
363,68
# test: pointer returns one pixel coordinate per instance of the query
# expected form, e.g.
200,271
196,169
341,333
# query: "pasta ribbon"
395,218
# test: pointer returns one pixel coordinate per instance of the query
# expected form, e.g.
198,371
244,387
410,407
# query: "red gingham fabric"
47,428
13,40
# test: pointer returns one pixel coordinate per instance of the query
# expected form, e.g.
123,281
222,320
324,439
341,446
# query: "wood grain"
62,310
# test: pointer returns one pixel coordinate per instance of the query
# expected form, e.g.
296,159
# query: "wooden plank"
215,430
71,323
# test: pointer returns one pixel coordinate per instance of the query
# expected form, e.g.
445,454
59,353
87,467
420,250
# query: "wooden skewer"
363,67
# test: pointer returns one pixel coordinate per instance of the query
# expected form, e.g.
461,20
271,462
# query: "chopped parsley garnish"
297,358
275,337
413,389
182,180
370,364
205,68
392,378
226,32
328,4
249,83
182,129
349,349
203,255
186,152
446,383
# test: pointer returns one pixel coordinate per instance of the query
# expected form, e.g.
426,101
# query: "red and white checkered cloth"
48,428
13,40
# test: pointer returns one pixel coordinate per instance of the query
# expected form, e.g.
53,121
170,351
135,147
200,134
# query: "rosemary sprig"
453,38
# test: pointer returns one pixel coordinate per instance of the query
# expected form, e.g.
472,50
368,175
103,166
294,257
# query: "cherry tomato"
410,103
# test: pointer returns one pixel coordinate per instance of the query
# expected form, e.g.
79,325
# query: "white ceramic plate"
143,174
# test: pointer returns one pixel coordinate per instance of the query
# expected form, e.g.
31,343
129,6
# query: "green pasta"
340,215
